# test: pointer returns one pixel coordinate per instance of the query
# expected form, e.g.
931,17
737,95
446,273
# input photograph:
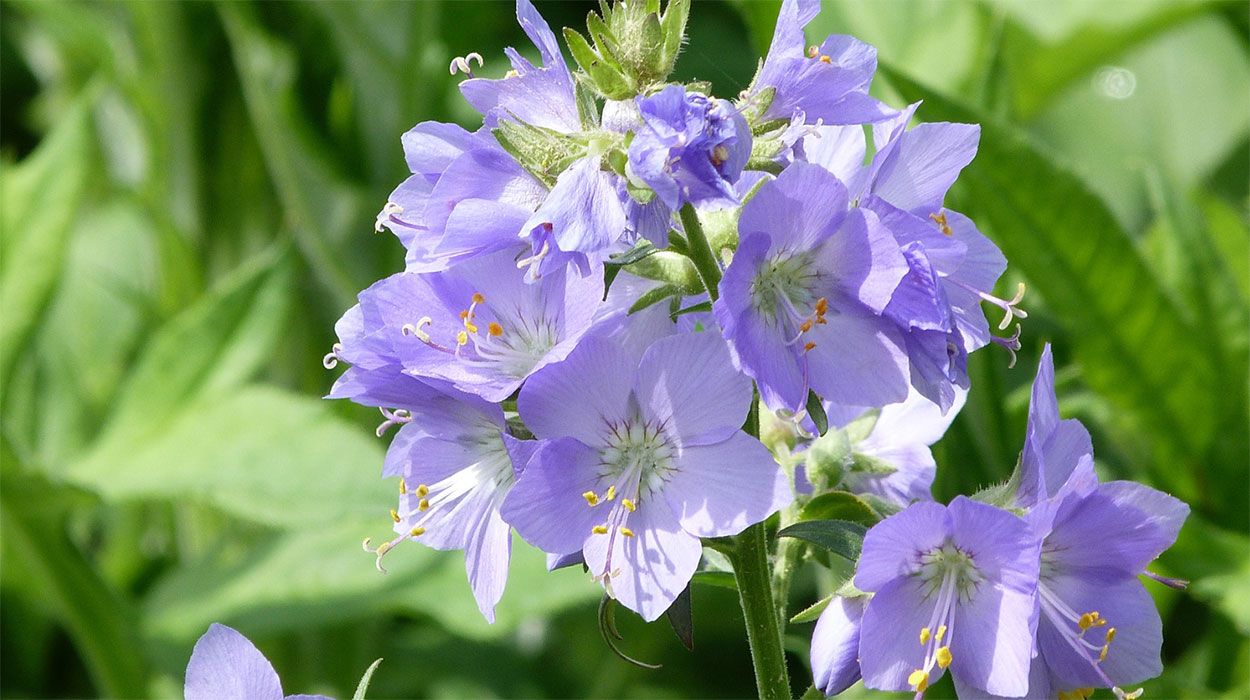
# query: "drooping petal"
582,396
991,640
546,505
225,665
688,383
582,212
863,261
1116,531
889,647
648,571
925,162
1043,417
835,645
719,489
486,554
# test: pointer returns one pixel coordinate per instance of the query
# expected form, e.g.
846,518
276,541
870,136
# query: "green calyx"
632,45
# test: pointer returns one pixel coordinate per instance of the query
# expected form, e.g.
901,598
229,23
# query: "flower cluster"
608,281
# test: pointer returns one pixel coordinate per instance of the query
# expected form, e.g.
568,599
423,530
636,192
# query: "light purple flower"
799,304
835,645
637,465
226,666
479,326
689,148
582,221
955,587
635,332
829,82
456,463
537,95
1098,627
466,197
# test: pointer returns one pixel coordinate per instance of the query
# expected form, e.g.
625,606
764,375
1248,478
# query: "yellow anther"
822,306
591,498
1110,635
599,529
813,52
611,493
1087,620
940,220
494,329
403,486
941,632
478,298
464,314
383,549
1102,655
943,656
462,338
1101,621
394,515
629,505
423,504
627,532
423,490
510,74
919,679
808,346
826,59
417,531
925,634
720,154
470,326
806,326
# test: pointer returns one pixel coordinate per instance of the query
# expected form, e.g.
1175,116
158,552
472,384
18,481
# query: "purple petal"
1134,654
925,162
582,212
889,644
838,149
1003,546
226,666
652,567
798,210
582,396
487,551
718,490
1118,530
688,383
835,645
864,261
1043,417
991,640
546,505
1039,684
857,360
890,547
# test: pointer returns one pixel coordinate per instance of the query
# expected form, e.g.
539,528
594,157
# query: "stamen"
460,64
626,531
719,155
397,417
1110,635
808,346
1087,620
510,74
943,656
599,529
941,632
417,531
494,329
478,298
409,329
423,490
629,505
813,51
1012,344
592,498
462,338
423,504
826,59
403,486
940,220
925,635
331,360
612,492
919,679
395,515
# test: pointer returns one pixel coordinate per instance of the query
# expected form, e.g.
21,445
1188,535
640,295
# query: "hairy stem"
751,571
700,252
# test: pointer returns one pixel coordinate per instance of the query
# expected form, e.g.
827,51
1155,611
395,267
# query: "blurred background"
188,198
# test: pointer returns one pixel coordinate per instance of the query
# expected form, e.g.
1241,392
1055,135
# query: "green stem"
700,252
751,571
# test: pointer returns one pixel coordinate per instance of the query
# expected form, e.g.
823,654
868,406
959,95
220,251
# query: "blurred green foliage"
187,204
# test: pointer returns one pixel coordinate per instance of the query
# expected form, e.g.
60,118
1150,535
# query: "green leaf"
653,297
813,611
364,681
838,536
679,618
1133,344
633,255
667,266
720,579
258,453
839,505
39,200
213,346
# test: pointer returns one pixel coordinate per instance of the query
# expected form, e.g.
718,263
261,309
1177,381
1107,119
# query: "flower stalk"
701,252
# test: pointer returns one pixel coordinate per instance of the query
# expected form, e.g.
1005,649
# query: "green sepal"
817,412
667,266
606,78
587,108
859,429
867,464
633,255
814,610
363,685
828,459
1001,495
544,153
674,26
